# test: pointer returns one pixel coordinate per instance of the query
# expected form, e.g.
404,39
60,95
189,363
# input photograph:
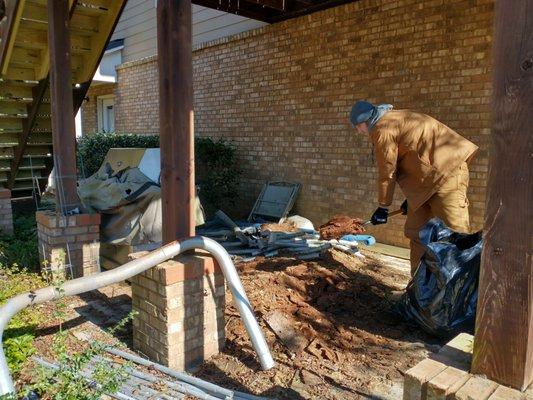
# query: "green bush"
22,247
217,172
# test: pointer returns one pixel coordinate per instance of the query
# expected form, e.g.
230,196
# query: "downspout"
128,270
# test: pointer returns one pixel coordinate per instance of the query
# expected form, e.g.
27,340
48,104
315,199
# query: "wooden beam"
63,126
27,125
278,5
298,9
249,10
503,345
8,31
176,118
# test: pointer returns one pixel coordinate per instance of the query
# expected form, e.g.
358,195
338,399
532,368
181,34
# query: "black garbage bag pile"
442,295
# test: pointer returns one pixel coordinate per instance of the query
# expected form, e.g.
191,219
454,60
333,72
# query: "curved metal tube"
128,270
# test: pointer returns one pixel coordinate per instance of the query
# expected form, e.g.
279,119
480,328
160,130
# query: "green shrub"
217,172
21,248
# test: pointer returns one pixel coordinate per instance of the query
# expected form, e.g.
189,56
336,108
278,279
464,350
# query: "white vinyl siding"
138,27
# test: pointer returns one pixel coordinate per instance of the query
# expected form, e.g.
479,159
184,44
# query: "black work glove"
403,207
380,216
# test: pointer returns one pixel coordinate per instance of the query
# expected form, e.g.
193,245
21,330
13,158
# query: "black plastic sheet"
442,295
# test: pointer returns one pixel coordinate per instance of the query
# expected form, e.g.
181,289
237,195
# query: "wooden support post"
63,126
176,118
503,345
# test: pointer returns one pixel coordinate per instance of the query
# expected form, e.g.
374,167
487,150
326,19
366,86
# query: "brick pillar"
180,305
78,235
6,213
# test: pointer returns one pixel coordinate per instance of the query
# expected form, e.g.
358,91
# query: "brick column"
78,235
6,212
180,305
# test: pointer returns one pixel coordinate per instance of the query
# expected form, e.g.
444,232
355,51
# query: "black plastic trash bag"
442,295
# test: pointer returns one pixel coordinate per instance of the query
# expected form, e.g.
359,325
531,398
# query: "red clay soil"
339,226
341,340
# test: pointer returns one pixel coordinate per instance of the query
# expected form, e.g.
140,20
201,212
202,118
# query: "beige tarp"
130,205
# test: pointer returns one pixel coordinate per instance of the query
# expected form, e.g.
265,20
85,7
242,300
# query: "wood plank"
174,45
26,58
503,345
10,125
63,126
12,108
31,39
18,73
15,92
27,125
99,41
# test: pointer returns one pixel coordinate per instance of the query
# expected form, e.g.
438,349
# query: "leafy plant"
70,381
217,172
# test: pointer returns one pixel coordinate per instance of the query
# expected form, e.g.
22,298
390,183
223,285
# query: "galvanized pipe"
128,270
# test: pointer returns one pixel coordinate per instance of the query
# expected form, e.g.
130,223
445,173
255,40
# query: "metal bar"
176,118
126,271
63,126
210,387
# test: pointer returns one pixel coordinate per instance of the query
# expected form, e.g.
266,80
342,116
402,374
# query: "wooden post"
176,118
63,126
503,346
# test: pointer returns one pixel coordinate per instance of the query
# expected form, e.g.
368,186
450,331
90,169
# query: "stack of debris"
249,240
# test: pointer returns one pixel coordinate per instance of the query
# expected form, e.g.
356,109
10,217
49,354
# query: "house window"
106,113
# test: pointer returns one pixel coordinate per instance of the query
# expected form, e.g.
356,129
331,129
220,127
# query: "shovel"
391,214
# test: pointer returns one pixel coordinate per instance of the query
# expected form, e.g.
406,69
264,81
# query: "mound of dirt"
339,226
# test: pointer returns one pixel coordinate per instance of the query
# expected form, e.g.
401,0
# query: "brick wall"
69,240
282,95
90,108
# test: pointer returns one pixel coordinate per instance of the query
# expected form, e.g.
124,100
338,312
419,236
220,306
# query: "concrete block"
446,383
416,379
476,388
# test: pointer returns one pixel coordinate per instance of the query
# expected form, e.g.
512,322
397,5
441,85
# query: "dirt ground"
346,341
337,334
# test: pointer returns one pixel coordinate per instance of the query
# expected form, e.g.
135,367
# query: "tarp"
129,203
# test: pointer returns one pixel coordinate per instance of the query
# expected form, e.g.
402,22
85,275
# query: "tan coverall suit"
429,162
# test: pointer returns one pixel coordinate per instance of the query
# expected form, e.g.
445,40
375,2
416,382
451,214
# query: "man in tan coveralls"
429,162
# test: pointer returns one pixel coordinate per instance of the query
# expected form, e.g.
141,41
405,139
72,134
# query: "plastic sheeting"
442,295
129,203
